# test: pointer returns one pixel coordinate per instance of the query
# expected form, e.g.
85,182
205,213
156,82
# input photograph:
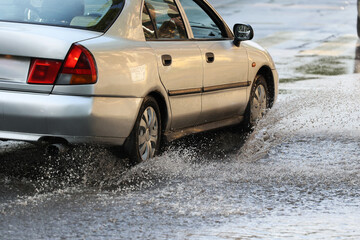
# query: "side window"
165,14
202,25
147,23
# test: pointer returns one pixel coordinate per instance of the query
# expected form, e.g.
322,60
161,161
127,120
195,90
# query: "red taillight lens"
43,71
79,67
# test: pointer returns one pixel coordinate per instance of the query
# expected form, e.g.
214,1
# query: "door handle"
166,60
210,57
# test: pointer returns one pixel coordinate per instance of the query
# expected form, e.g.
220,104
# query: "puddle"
326,66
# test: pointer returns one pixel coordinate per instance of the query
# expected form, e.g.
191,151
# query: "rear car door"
179,60
225,65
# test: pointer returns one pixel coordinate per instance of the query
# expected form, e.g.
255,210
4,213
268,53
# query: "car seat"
61,11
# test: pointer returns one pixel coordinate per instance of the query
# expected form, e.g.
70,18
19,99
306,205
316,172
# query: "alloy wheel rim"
259,103
148,134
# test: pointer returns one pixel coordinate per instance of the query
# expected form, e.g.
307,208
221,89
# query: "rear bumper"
77,119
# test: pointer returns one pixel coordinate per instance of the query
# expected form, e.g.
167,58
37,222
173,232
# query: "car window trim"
185,19
190,36
114,20
211,39
218,18
156,28
214,15
190,40
152,21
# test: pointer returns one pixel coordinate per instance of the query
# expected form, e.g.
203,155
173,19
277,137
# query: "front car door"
179,60
225,65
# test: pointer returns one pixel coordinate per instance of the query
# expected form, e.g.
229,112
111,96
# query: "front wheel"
144,140
258,102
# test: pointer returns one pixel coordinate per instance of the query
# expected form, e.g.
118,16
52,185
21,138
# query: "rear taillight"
43,71
79,67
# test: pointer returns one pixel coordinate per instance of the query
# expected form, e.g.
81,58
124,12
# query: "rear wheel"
144,140
258,102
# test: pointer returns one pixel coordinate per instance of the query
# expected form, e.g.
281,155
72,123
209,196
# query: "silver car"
126,72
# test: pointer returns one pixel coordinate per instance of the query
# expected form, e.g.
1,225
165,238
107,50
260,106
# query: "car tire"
258,102
144,140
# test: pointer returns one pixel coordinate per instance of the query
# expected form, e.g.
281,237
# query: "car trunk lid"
20,43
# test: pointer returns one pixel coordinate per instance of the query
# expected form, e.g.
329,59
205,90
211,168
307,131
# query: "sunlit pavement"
297,176
301,35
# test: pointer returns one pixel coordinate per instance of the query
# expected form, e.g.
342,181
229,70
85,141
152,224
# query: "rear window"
97,15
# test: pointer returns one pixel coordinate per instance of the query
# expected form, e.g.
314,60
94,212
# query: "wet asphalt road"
297,176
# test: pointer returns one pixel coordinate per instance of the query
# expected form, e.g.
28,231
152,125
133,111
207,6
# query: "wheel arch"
266,72
164,112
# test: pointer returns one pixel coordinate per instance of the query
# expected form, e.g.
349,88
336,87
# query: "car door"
179,60
225,65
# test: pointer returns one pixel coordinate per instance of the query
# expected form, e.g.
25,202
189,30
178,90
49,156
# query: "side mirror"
242,32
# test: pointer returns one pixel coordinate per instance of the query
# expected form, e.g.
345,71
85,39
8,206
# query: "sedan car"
126,72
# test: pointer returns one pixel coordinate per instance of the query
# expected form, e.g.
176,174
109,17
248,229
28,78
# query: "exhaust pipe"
56,149
54,145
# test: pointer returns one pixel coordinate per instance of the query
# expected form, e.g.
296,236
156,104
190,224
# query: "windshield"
97,15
